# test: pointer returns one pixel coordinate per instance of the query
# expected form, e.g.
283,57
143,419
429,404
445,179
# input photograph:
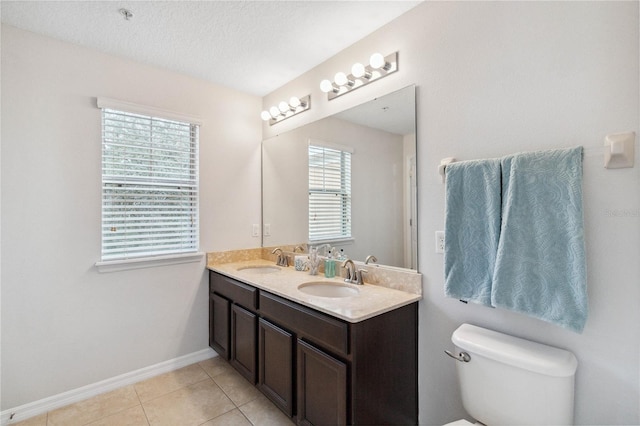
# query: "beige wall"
64,325
494,78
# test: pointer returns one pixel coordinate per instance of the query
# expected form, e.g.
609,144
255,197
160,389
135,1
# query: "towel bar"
443,165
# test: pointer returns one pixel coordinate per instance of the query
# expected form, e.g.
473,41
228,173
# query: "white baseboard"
75,395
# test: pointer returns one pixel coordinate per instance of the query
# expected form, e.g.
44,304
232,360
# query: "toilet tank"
513,381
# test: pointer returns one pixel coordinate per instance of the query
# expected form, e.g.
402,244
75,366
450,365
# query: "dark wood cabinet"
276,366
317,327
316,368
385,348
322,387
243,342
219,311
237,292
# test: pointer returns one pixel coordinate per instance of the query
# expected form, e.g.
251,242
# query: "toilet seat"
461,422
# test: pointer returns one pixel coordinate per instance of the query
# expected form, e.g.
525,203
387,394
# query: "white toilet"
505,380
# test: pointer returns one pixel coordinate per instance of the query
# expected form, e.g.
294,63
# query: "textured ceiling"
252,46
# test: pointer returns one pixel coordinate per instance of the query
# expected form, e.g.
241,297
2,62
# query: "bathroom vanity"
321,360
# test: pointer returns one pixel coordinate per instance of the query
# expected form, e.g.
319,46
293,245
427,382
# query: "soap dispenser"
342,256
329,266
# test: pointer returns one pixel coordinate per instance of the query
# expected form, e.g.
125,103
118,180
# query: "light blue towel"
540,265
472,228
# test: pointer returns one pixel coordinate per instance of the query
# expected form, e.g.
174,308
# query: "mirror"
381,134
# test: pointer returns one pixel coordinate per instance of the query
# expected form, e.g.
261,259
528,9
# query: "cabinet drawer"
314,326
240,293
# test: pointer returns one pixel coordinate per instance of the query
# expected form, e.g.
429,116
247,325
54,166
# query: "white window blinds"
149,186
329,193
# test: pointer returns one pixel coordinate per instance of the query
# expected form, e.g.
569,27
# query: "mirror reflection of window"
329,192
381,135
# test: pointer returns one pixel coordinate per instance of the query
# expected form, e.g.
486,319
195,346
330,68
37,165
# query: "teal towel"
472,229
540,266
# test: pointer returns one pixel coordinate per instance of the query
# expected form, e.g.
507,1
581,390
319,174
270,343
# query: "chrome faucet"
352,274
281,259
298,247
359,277
370,258
350,270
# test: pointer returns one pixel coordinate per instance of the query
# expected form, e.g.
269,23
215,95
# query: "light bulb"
340,78
357,70
326,86
294,102
274,111
377,61
265,115
283,107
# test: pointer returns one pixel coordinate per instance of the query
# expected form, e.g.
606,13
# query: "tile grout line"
140,402
186,386
225,394
176,390
108,415
237,407
141,405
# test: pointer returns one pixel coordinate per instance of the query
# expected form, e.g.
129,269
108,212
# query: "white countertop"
370,301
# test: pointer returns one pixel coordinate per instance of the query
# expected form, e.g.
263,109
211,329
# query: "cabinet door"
275,359
243,342
219,325
322,387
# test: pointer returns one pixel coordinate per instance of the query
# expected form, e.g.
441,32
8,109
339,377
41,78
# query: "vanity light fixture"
379,66
284,110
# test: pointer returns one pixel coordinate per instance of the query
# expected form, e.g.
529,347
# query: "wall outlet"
439,241
267,230
255,230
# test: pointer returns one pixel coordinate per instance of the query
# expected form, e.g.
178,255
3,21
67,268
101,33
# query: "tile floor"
208,393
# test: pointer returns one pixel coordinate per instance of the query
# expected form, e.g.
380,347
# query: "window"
329,192
149,186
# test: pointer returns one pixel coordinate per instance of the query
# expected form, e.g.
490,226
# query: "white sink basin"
328,289
260,269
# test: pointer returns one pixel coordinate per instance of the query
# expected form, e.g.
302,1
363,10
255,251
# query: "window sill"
333,241
147,262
